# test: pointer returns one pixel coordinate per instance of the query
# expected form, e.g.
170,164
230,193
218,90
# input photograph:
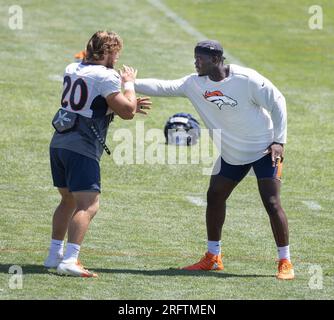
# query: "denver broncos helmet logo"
219,99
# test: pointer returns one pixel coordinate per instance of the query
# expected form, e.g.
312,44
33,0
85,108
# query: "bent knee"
273,205
68,199
216,194
91,207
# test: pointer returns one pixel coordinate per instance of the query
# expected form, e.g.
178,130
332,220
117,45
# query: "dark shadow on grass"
178,272
39,269
26,268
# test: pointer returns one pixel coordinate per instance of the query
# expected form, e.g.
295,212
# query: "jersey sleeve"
163,88
264,94
110,83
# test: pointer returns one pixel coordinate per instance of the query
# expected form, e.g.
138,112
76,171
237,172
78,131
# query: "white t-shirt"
246,108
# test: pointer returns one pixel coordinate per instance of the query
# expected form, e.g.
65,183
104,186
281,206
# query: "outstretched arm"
163,88
124,104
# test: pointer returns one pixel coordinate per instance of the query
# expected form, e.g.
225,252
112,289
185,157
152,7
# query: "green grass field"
145,224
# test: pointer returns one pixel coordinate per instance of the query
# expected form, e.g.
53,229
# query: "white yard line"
185,26
197,201
313,205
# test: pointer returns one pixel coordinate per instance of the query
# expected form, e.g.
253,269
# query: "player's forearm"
130,94
155,87
128,75
279,118
270,98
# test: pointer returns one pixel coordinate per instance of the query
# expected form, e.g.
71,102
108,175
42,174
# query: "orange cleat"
208,262
80,55
285,270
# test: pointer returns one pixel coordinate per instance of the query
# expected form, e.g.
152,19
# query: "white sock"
283,252
214,247
56,247
72,252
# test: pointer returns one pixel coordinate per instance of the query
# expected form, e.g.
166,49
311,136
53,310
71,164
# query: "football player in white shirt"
251,115
92,95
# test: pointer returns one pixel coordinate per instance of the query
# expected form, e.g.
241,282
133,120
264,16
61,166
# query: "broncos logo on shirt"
219,99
